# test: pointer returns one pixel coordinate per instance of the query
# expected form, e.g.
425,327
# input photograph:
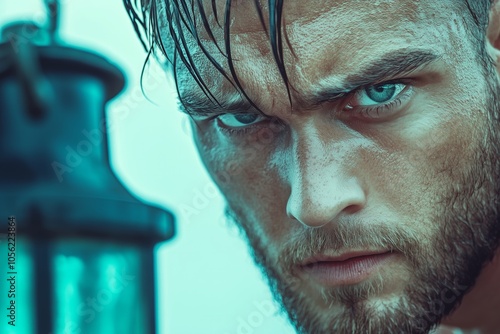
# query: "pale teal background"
207,282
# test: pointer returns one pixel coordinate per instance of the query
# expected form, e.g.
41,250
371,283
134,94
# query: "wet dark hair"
179,20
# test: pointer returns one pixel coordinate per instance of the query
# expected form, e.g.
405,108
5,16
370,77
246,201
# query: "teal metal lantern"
84,246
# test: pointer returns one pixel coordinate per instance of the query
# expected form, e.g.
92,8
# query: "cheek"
428,170
250,182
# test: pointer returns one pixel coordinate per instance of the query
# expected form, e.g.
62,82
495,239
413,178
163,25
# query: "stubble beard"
468,236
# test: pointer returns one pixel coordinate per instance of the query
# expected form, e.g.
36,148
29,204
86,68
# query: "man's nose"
322,182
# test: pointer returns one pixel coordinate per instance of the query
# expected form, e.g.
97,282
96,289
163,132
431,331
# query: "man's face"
370,199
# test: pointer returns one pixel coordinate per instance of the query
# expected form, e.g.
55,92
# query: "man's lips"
343,257
345,269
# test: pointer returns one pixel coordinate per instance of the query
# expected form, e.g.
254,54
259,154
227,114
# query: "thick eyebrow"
387,67
196,106
384,68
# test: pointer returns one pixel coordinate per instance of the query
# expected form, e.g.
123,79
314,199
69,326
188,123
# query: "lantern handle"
53,12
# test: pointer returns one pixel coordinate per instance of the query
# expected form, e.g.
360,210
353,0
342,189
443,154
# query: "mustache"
342,237
339,237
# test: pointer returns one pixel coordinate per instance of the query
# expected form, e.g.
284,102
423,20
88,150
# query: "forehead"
245,13
319,37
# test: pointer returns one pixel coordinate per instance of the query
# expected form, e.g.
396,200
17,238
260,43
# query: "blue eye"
240,120
379,94
379,101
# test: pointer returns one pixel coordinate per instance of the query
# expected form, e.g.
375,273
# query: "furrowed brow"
196,105
385,68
